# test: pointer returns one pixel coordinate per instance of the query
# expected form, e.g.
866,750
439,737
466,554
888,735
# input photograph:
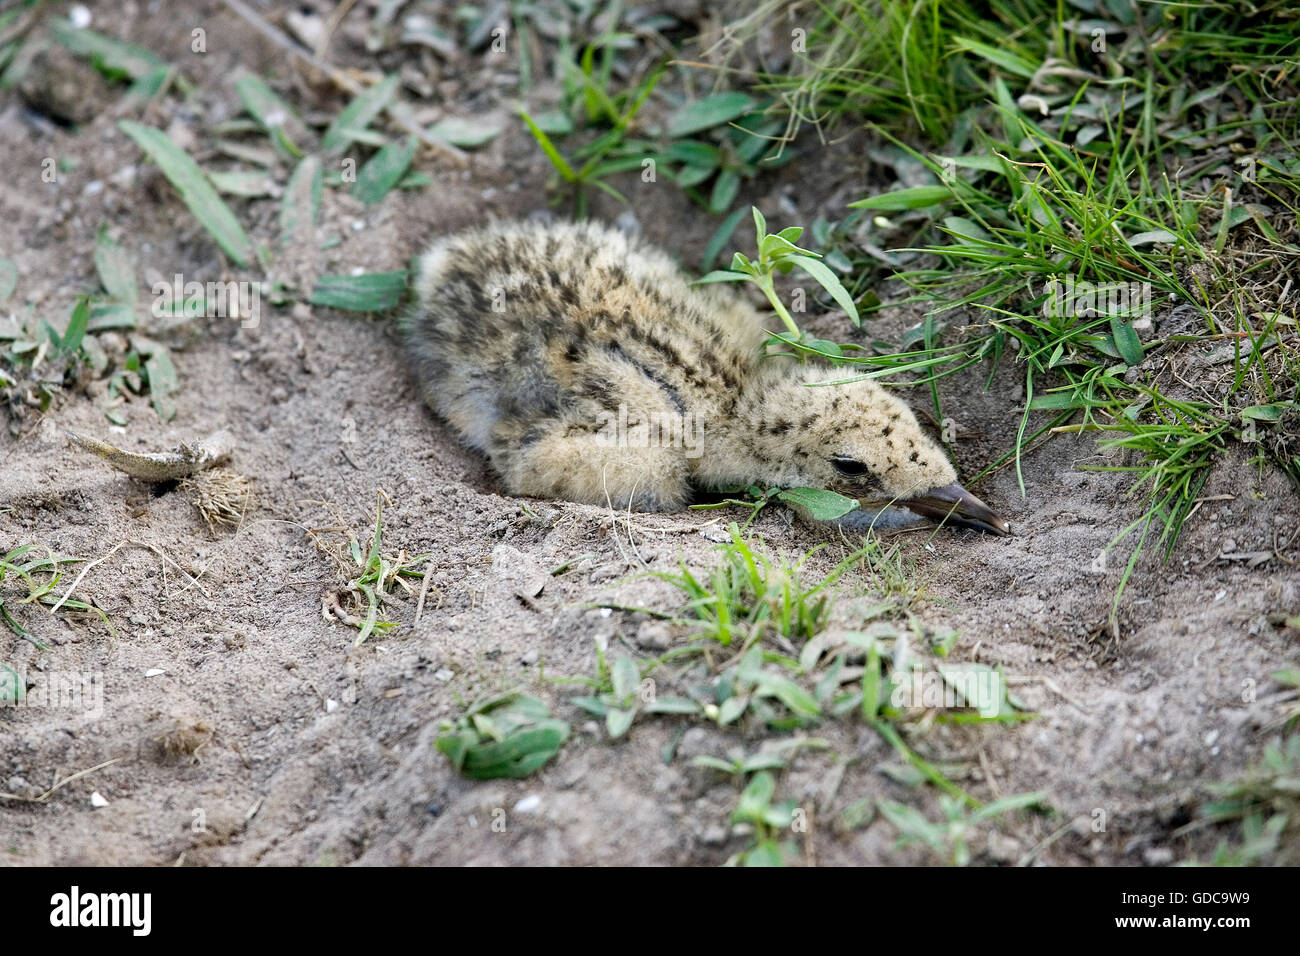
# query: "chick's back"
520,326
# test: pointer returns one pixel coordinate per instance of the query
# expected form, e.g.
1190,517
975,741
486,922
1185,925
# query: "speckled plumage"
529,339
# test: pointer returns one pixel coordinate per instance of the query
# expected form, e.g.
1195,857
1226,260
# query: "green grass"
950,837
1004,205
707,145
758,653
777,253
511,736
1263,809
750,594
374,575
37,570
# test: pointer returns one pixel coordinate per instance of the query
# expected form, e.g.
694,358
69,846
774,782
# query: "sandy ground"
263,736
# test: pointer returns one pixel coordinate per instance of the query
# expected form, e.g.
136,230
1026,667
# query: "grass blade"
300,207
358,114
384,170
548,148
116,272
369,292
195,190
276,116
708,112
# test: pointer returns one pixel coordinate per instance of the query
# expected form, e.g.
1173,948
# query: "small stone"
97,800
529,803
1003,848
715,835
654,636
443,674
529,657
1158,856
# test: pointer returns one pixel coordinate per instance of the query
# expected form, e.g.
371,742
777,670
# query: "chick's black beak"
957,505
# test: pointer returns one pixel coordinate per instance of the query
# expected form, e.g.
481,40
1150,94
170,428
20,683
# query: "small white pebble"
331,705
93,188
357,226
1211,737
529,803
443,674
97,800
154,672
606,612
1221,595
80,17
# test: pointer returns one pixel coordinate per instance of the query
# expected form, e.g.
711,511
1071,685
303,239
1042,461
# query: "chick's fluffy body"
555,349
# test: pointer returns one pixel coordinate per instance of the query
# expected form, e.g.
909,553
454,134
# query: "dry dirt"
232,755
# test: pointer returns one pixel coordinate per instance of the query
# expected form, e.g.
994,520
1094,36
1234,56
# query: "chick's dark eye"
849,467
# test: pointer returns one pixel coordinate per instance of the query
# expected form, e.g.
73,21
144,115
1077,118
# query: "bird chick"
585,366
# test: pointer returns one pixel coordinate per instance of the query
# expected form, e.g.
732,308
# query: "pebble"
715,835
654,636
529,803
1003,848
1158,856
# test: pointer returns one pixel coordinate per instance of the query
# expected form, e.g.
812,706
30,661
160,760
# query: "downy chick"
586,367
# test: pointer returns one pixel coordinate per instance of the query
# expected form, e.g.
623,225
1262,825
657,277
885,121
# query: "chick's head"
856,439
